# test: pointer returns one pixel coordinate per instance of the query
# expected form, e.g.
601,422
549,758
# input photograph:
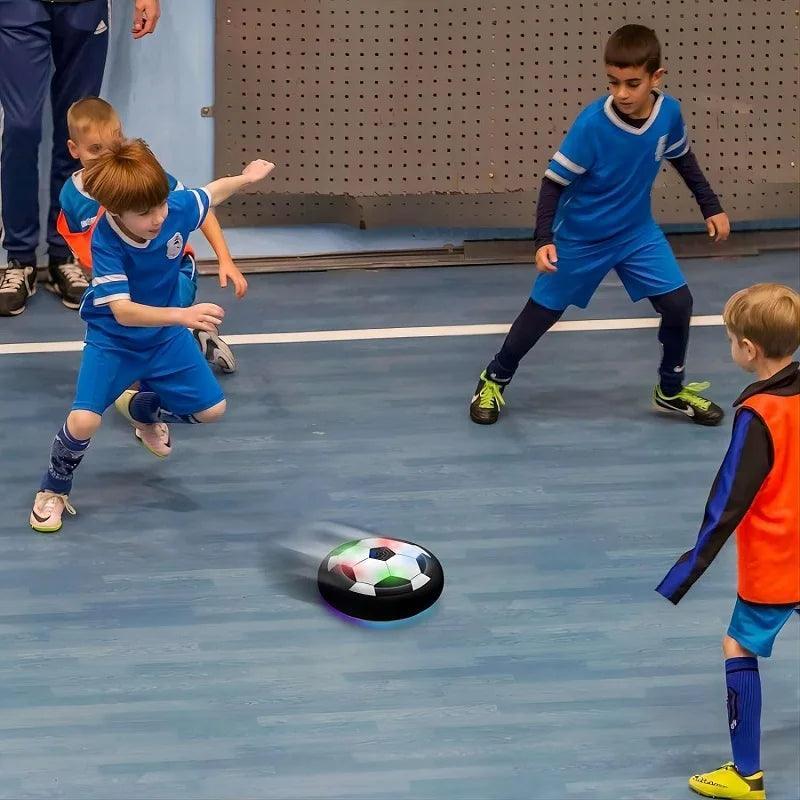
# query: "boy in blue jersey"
136,328
92,124
594,215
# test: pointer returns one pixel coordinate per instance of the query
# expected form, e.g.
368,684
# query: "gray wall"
414,112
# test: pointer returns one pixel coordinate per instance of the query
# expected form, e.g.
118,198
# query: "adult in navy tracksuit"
72,36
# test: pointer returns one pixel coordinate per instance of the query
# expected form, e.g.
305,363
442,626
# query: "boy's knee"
732,649
83,424
213,414
674,306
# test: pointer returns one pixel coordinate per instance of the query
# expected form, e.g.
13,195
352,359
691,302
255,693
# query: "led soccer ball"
380,578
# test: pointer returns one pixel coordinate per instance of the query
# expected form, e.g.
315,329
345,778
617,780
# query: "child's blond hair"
127,178
768,314
93,114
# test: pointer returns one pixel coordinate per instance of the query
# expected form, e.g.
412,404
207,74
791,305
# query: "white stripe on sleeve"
554,176
109,279
560,158
104,301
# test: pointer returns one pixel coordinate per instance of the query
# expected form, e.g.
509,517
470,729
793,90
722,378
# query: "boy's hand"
546,258
719,227
228,271
258,170
145,17
203,317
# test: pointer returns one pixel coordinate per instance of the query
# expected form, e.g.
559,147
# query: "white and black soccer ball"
380,578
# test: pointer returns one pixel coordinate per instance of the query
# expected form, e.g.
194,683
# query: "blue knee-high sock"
744,713
65,455
145,407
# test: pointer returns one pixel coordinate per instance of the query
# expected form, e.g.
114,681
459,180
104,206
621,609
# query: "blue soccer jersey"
608,168
144,272
80,208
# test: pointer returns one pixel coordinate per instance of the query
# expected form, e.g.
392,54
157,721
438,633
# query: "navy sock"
532,323
675,308
65,455
744,712
145,407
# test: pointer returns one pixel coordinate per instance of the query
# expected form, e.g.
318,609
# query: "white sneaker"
153,437
47,510
216,351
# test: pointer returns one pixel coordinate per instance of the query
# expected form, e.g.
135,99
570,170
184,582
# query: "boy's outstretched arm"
223,188
212,230
744,468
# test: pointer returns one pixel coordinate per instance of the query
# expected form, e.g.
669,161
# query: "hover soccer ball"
380,579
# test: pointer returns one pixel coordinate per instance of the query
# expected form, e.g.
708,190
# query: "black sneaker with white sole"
689,403
67,280
16,286
216,351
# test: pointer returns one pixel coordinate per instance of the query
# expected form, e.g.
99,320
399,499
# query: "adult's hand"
145,17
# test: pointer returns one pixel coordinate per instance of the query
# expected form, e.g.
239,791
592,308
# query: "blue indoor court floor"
160,646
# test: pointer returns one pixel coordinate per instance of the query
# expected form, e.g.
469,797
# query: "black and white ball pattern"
380,578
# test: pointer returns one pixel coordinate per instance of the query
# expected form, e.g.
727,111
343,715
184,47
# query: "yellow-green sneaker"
728,784
486,402
689,403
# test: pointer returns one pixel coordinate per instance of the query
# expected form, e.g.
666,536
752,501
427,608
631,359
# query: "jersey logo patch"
661,147
175,246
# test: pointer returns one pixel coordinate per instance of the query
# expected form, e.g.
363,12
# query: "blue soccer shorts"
644,263
756,626
176,370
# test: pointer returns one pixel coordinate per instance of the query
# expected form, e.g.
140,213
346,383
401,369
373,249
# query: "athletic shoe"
153,437
485,406
689,403
47,510
215,350
727,783
17,285
68,281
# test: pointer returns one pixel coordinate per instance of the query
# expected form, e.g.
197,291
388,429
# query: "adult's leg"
79,46
25,30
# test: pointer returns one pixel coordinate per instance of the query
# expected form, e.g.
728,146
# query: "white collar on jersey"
608,107
77,180
124,236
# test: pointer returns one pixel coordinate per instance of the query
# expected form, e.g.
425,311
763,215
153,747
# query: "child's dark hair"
634,46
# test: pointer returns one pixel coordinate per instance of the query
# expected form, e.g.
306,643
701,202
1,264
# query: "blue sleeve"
576,154
174,184
193,206
744,469
66,201
109,280
678,139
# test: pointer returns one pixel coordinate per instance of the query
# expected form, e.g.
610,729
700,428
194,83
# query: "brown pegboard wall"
428,112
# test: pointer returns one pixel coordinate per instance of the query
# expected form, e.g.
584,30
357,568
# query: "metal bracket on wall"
207,111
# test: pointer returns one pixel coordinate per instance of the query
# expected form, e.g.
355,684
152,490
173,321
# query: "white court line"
23,348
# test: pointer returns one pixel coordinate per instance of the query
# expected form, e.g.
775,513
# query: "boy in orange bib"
757,494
